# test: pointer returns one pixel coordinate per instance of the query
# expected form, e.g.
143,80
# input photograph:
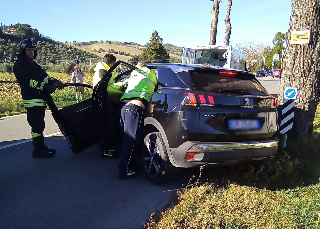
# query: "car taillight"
228,73
274,102
190,155
211,99
202,99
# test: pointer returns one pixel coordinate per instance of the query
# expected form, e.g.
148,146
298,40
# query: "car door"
85,122
75,120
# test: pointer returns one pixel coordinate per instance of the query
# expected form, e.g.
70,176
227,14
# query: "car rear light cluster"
195,99
228,73
274,102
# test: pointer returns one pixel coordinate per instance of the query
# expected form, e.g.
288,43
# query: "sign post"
287,114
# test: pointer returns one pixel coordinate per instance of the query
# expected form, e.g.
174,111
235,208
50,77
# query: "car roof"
178,67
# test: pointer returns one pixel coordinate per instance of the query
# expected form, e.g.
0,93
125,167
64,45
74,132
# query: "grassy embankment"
279,193
10,96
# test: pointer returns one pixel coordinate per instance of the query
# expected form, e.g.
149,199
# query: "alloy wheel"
152,158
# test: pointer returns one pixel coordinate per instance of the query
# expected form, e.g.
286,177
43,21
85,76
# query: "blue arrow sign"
290,93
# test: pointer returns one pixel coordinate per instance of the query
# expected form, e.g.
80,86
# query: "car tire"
156,164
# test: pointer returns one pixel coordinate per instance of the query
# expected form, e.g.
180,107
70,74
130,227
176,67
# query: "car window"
214,83
167,78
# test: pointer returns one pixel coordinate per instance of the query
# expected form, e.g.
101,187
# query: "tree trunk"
301,67
214,22
228,24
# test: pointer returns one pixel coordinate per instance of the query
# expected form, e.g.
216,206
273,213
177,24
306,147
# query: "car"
199,115
276,73
262,73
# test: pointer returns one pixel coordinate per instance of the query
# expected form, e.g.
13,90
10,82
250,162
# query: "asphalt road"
73,190
271,84
69,190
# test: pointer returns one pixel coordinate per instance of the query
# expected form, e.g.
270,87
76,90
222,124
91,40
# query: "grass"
279,193
10,95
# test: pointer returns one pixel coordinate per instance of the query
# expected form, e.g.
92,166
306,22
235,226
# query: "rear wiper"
236,91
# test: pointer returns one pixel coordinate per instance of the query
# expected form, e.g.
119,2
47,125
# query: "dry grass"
238,206
10,95
134,50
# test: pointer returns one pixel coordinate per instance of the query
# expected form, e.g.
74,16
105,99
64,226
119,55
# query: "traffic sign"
276,57
290,93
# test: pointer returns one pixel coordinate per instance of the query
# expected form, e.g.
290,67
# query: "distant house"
11,31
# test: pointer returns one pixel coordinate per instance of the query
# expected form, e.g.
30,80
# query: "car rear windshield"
215,83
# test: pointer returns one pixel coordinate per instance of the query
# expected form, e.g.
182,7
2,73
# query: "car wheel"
155,161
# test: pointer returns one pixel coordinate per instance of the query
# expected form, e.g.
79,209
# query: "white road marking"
25,141
16,115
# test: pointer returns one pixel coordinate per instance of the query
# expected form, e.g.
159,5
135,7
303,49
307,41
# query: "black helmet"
28,44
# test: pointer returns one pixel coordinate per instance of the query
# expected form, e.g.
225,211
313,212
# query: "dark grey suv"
199,115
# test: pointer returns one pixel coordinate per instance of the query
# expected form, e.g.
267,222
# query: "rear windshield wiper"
235,91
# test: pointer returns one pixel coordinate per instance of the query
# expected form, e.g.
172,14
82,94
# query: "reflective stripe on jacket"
141,84
33,103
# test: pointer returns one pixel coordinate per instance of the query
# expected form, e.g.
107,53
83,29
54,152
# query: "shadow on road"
75,190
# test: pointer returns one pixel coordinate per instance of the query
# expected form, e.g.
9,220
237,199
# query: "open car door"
75,120
97,115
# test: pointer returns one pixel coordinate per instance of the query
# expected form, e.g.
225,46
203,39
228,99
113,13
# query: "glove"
53,86
58,84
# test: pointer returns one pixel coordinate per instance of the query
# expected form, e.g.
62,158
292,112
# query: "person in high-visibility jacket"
34,82
102,67
106,142
139,91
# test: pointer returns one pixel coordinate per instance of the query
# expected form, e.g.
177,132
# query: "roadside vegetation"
279,193
10,96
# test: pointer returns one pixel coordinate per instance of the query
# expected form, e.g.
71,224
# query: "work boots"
40,150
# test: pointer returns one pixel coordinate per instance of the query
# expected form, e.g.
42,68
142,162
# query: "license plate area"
244,124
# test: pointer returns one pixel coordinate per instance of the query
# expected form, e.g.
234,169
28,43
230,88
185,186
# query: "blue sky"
184,23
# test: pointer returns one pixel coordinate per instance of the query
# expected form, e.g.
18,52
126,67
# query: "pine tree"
155,52
300,66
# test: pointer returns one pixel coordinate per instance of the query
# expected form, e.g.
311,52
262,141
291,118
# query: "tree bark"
301,67
214,22
228,24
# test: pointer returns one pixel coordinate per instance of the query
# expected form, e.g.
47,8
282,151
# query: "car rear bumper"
220,153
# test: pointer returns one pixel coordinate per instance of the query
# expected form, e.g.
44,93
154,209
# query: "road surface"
73,191
271,84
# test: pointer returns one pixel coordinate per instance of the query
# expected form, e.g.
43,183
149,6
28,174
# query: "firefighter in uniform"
34,81
140,89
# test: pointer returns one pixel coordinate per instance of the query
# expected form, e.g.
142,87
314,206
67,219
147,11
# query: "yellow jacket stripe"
34,103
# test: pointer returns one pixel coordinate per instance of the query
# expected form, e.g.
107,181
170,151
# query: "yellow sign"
300,37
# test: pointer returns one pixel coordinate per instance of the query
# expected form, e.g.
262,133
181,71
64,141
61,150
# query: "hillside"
61,57
122,50
53,55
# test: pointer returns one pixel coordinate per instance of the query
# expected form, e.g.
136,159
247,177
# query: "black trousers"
131,118
35,117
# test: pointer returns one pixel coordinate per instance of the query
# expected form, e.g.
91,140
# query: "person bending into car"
34,82
139,91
